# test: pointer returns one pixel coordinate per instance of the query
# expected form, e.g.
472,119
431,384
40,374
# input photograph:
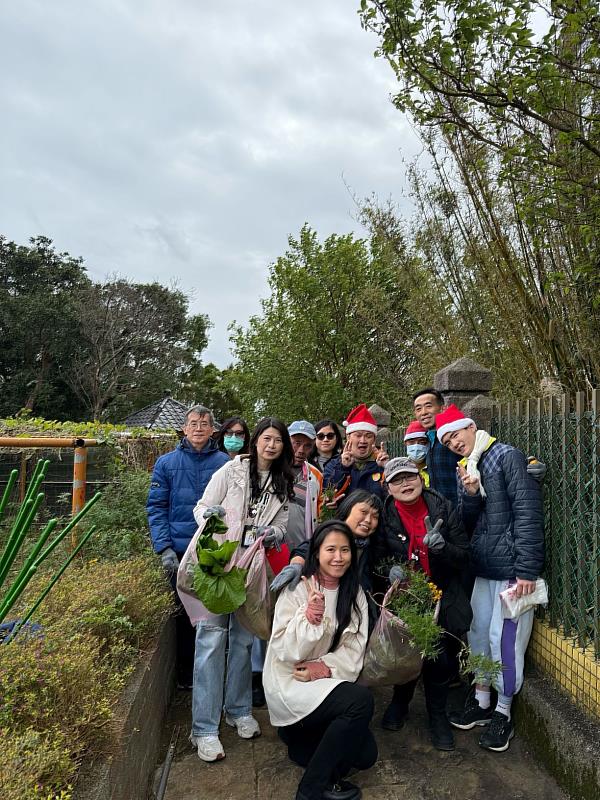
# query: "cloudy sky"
182,140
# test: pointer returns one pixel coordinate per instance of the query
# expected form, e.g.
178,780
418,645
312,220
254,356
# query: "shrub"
120,517
71,672
33,765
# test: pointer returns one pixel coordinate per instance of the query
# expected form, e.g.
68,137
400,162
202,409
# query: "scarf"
413,520
483,440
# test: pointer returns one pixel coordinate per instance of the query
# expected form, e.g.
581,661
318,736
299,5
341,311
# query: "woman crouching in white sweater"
314,656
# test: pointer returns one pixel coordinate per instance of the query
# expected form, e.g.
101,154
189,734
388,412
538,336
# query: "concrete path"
409,768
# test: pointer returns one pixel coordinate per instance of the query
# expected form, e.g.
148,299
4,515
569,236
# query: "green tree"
506,97
137,342
38,327
336,330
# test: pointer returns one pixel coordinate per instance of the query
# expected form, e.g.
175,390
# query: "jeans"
209,673
333,739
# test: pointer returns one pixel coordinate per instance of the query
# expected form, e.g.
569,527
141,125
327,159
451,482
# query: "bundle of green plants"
415,602
221,591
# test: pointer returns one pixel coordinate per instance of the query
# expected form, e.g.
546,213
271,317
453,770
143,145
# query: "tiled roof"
166,413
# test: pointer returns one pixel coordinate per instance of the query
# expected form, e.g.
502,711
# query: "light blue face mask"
418,452
233,444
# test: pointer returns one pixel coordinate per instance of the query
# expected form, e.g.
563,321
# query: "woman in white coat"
314,657
253,493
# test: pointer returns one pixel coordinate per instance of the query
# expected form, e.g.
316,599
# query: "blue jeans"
209,673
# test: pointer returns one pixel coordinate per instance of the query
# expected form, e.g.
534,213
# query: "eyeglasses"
321,436
239,434
404,478
198,426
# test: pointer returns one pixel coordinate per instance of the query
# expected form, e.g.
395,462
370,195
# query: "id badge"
249,536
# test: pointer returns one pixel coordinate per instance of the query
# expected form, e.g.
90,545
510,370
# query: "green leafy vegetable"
222,591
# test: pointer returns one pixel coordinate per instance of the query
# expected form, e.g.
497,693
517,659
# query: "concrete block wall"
126,774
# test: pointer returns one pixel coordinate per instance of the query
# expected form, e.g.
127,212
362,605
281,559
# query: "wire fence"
565,434
58,485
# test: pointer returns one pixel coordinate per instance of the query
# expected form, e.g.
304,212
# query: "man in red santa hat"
501,508
360,465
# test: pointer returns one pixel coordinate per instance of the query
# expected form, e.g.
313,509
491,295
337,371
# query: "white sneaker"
247,727
209,747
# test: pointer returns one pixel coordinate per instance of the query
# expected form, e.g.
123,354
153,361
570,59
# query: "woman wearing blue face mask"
234,437
417,445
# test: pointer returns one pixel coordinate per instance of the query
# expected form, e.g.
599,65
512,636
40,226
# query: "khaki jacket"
229,487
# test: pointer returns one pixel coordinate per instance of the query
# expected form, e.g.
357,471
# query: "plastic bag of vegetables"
207,579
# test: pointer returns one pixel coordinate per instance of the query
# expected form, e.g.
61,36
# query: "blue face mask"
417,452
233,444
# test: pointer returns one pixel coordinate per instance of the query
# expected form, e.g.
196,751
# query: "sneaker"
471,715
209,747
497,736
247,727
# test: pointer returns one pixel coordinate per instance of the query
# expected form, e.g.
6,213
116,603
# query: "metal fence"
564,432
58,485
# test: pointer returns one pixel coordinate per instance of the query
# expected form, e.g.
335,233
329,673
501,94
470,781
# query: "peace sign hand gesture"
382,456
433,538
316,601
347,457
469,482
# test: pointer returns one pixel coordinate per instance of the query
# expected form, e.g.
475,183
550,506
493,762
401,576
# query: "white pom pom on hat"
451,419
360,419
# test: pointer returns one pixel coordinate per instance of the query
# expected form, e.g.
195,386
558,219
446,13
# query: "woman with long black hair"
252,492
314,657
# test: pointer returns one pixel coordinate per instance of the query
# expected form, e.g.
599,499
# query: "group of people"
460,506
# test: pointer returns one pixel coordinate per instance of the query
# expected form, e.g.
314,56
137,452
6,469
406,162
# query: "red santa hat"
452,419
360,419
415,431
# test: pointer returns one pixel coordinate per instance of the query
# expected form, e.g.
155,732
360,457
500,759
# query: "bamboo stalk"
27,572
51,585
12,479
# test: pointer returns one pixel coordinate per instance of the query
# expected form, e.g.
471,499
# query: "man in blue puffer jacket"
178,482
501,508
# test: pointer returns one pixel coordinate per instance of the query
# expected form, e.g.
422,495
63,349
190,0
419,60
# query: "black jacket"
449,568
507,526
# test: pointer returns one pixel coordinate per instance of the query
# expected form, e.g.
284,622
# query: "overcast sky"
186,140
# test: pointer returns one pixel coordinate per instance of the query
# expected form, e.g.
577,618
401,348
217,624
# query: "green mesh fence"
569,445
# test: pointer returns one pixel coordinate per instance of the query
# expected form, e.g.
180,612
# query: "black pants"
333,739
436,674
186,638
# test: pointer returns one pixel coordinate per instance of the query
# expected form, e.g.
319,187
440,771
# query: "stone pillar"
383,419
467,384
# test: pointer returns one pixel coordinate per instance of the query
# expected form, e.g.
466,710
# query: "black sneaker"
471,715
498,734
